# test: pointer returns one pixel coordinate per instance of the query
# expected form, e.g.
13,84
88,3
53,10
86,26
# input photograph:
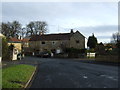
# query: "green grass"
16,76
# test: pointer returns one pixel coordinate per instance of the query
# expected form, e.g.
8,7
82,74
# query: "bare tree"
36,28
15,28
5,29
11,29
115,37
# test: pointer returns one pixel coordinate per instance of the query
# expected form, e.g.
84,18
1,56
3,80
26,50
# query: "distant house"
16,42
100,48
25,44
20,44
56,42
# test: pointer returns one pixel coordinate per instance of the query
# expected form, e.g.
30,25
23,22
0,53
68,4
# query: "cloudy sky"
100,18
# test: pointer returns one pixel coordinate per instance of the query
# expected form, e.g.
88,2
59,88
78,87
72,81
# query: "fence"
107,58
91,55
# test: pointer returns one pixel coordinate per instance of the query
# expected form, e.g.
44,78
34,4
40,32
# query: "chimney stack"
71,31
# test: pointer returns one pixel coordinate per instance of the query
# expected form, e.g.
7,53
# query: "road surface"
71,73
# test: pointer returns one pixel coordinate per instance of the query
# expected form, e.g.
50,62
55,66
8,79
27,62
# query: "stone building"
16,42
25,44
57,42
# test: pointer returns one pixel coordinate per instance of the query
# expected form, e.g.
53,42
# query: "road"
71,73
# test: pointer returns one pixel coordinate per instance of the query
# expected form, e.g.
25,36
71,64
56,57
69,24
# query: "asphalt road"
71,73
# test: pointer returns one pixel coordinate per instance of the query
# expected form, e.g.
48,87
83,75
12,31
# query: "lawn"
16,76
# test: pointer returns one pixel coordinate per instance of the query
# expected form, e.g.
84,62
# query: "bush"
91,50
73,52
5,50
76,51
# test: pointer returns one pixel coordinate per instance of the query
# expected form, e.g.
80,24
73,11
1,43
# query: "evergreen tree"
5,49
92,42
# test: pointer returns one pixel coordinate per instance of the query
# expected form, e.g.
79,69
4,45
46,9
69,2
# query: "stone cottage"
57,42
16,42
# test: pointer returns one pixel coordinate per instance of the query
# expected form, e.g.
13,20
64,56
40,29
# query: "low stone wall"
70,55
60,56
107,58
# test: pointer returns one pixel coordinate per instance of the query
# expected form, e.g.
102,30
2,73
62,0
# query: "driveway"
71,73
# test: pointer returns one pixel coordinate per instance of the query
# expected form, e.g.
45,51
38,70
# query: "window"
77,41
43,42
53,43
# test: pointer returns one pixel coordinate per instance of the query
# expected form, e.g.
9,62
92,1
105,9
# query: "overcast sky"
87,17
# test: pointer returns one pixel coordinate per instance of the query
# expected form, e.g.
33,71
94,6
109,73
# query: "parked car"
43,54
20,56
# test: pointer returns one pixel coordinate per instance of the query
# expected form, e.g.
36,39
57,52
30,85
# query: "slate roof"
49,37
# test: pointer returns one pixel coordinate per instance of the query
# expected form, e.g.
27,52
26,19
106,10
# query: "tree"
5,49
15,28
11,47
11,29
115,37
36,28
92,42
116,40
5,29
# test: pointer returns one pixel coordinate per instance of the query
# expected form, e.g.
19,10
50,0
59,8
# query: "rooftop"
60,36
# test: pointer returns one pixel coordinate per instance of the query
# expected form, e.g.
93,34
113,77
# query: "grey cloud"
99,29
65,14
101,32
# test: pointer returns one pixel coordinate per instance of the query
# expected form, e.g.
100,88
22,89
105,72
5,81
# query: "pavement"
17,62
71,73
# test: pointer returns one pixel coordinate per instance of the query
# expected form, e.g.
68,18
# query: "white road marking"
85,77
109,77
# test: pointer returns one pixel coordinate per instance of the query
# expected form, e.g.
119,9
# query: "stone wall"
77,41
48,45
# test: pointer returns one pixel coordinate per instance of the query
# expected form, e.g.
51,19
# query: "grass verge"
16,76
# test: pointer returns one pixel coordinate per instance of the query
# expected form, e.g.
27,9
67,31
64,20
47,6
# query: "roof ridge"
60,36
54,34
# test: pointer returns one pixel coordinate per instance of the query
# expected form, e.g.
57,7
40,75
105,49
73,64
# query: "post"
0,50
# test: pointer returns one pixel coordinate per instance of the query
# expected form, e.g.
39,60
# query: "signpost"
15,53
0,49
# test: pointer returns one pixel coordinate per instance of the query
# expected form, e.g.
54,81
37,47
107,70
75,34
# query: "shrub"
73,52
91,50
5,50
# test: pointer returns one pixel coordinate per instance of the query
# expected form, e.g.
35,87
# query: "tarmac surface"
71,73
